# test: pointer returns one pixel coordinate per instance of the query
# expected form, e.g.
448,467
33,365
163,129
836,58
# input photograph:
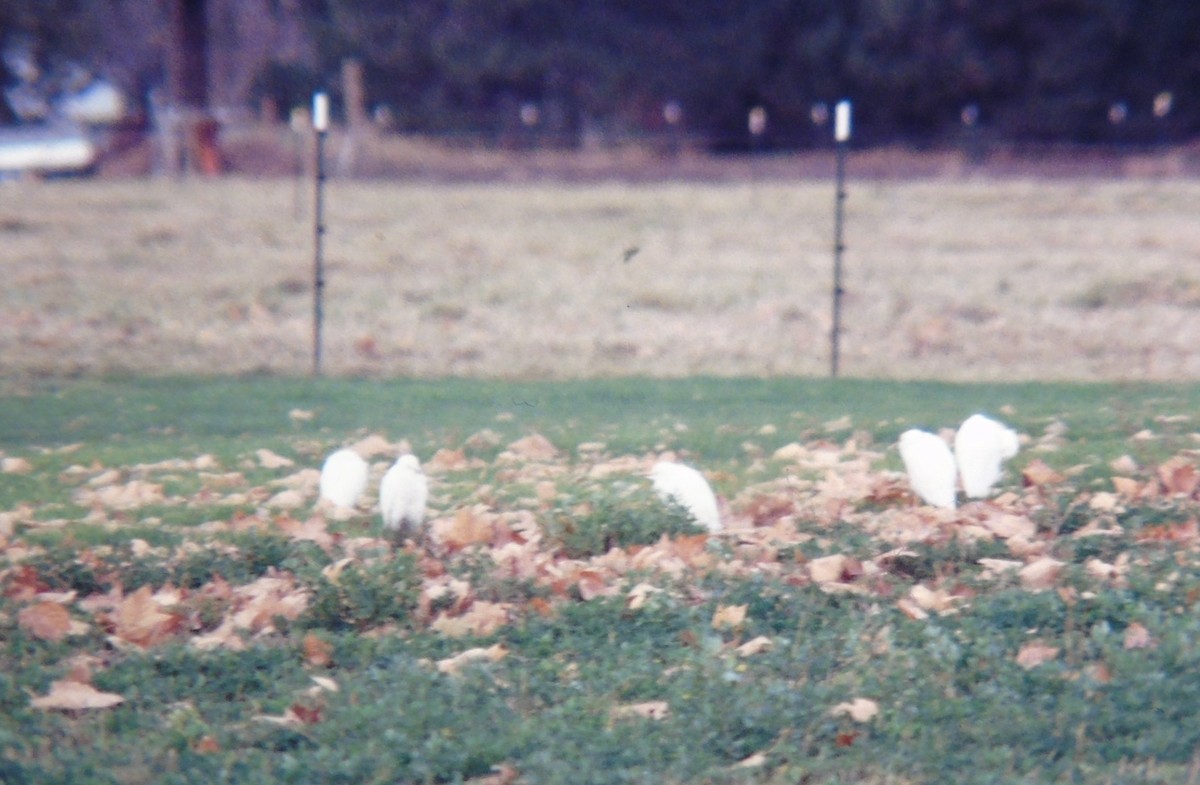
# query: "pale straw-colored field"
954,279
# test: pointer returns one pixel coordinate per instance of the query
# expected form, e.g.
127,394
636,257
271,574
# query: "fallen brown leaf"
858,709
272,460
534,447
1035,653
138,619
48,621
650,710
317,651
729,616
1138,637
755,646
1041,574
452,665
482,619
1037,473
75,696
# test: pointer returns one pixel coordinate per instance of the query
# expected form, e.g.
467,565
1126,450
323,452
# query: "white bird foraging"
683,485
931,469
343,477
402,496
981,446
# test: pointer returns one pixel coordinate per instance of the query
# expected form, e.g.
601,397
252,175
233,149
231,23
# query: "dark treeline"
1025,70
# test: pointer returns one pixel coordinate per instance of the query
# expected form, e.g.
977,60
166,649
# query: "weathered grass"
953,279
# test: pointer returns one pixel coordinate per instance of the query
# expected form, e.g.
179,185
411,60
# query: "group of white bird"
981,446
404,490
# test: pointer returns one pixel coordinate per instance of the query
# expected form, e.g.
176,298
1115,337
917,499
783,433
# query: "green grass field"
563,626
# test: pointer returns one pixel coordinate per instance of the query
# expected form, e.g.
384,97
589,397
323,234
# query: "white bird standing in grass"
402,496
683,485
931,469
343,478
981,446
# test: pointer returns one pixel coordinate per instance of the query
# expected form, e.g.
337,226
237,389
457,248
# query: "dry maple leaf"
375,444
482,619
452,665
650,710
639,595
729,617
1035,653
75,696
593,583
473,525
755,646
859,709
1038,474
13,465
272,460
1041,574
447,460
312,530
1178,476
317,651
138,619
129,496
48,621
534,447
834,569
503,774
911,609
1138,637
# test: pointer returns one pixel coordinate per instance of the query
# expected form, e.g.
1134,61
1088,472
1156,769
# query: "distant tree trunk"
187,54
187,119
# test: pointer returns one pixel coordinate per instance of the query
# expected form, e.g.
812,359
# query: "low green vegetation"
561,625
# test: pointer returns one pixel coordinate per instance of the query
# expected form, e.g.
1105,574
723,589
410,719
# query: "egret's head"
409,462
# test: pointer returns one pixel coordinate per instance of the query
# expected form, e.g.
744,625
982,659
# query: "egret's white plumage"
402,495
683,485
931,469
981,446
343,477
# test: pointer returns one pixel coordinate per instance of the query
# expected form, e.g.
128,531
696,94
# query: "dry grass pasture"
958,279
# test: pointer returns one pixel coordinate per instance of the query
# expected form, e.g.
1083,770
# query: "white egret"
683,485
981,446
402,496
930,466
343,477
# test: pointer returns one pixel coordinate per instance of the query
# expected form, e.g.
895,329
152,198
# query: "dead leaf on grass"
452,665
650,710
139,620
1178,476
534,447
729,617
1041,574
12,465
859,709
317,651
473,525
1138,637
755,646
1036,653
49,621
75,696
272,460
482,619
1037,473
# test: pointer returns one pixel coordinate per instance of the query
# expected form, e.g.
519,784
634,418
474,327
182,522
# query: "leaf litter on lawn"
786,526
